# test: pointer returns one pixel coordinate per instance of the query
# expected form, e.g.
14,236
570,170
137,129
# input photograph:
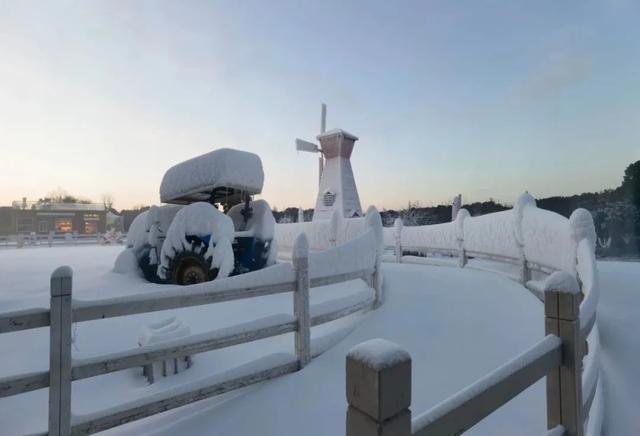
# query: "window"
329,198
25,225
43,226
90,227
63,225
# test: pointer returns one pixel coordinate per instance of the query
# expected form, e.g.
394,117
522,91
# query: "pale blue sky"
486,98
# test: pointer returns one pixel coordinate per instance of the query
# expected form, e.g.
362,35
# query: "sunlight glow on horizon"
99,99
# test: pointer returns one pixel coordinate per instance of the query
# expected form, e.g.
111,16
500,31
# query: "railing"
303,273
570,295
60,238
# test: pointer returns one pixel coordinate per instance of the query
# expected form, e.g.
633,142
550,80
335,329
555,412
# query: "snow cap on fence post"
455,206
300,215
378,389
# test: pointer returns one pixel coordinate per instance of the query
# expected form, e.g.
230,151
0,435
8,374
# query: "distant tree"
107,200
631,183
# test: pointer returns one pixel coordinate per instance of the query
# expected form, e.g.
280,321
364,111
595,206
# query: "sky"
484,98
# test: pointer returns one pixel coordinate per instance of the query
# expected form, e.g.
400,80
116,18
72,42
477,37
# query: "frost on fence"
442,236
492,233
548,239
355,255
318,233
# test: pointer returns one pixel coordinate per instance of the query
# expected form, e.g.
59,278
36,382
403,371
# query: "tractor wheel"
189,267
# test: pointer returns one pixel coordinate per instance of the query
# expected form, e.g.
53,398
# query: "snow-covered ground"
457,324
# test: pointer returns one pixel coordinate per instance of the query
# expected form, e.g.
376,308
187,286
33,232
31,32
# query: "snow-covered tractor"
189,240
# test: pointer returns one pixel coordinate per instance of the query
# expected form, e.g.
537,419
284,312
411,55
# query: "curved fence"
359,258
540,243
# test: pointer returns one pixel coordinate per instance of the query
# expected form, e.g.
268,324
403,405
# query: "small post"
463,260
60,353
378,389
50,238
397,234
525,271
19,240
301,300
75,237
564,384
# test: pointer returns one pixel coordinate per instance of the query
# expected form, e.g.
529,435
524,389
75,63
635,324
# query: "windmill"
337,186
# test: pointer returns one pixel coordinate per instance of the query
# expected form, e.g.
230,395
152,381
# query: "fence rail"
292,278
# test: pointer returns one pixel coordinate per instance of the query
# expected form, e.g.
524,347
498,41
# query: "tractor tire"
190,267
149,271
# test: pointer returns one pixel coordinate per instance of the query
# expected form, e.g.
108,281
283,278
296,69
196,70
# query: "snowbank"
223,167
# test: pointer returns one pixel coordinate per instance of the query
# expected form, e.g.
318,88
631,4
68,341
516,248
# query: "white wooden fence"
53,238
298,277
568,355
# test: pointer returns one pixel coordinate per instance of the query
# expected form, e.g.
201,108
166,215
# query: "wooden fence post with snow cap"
397,239
60,353
301,300
378,389
564,384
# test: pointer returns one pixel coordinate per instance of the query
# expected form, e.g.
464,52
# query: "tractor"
190,240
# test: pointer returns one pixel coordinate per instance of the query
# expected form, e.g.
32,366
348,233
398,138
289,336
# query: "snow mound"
137,236
224,167
126,262
200,219
379,354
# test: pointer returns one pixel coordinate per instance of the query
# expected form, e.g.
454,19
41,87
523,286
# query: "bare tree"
107,200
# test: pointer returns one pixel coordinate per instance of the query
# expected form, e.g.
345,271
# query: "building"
24,217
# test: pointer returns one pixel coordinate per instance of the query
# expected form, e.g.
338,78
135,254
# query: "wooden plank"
19,384
144,303
217,339
466,408
301,299
129,412
60,353
363,274
24,320
326,317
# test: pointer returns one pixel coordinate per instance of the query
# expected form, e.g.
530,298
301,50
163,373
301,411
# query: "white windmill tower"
337,191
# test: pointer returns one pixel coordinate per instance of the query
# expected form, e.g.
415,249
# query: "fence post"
75,237
564,384
525,271
60,353
19,240
378,389
397,235
301,300
50,238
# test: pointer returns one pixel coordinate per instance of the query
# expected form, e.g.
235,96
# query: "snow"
435,236
491,233
563,282
163,331
517,363
261,224
548,239
451,321
126,262
224,167
200,219
341,259
137,236
318,233
301,246
379,354
582,227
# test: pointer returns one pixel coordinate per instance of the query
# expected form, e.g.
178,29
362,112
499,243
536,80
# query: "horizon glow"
487,100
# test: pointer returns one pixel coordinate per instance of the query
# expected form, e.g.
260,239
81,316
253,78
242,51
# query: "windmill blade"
306,146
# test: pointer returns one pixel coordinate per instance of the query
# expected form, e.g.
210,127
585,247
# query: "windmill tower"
337,190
